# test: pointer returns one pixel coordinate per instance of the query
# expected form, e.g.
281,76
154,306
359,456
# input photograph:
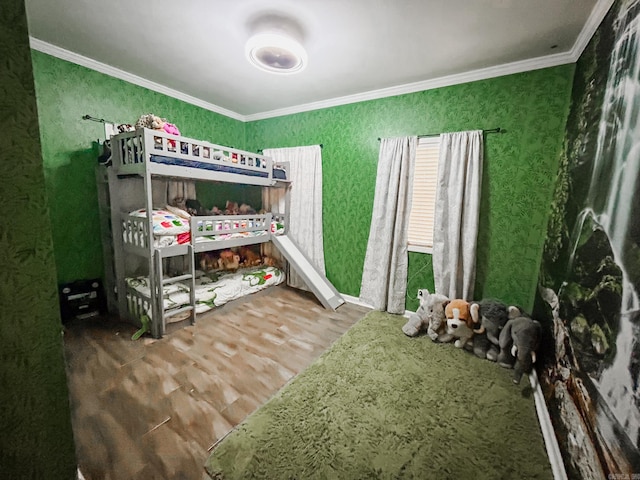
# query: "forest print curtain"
590,276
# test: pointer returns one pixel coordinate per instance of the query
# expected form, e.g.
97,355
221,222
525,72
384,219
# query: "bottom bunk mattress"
210,292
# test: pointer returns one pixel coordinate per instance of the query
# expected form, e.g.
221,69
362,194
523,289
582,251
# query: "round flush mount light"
276,53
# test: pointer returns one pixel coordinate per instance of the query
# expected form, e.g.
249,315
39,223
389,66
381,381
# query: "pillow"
164,222
178,211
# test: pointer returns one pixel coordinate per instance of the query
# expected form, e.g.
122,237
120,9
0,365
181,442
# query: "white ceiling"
358,49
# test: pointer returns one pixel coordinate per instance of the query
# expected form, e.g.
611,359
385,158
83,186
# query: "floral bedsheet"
210,292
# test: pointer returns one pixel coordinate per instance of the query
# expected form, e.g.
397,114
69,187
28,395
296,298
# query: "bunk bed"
143,233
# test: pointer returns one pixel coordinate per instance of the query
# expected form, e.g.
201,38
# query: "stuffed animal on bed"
229,260
459,322
208,261
154,122
194,207
231,208
125,127
245,209
170,128
151,121
249,258
269,261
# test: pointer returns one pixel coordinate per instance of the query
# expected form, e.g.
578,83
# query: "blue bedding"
207,166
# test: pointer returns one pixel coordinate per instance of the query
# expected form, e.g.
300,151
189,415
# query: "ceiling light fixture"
276,52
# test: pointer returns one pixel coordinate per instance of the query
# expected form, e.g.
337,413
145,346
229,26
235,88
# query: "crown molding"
87,62
600,10
598,13
446,81
595,18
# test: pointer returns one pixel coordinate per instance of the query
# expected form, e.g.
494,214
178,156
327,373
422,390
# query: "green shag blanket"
382,405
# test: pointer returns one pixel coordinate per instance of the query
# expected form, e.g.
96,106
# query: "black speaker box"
81,299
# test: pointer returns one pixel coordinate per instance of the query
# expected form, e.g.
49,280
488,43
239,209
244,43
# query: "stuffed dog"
459,322
249,258
229,260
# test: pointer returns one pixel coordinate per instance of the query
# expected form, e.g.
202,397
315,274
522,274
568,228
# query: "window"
425,177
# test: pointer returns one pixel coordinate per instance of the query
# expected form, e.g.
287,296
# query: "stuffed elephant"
519,341
429,316
490,317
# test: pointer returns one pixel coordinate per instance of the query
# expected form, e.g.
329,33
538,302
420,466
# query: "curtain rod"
491,130
94,119
260,150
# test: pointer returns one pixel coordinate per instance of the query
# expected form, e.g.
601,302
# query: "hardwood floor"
153,409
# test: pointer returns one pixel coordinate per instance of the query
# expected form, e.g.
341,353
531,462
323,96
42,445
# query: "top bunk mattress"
214,167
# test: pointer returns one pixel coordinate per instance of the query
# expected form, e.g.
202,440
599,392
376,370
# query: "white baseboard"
548,433
355,300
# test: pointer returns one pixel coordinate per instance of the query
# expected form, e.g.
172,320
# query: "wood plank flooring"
153,409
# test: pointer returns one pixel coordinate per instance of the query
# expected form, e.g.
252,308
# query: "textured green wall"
66,92
36,440
518,180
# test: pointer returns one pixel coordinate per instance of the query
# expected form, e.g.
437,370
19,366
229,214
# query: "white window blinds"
424,195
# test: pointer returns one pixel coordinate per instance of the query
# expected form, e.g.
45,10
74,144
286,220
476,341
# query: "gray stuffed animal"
429,316
491,317
519,341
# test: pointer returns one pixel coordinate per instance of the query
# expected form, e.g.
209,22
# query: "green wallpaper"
518,180
36,440
66,92
518,177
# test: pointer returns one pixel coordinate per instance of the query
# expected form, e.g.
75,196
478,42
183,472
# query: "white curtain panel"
384,277
457,214
305,216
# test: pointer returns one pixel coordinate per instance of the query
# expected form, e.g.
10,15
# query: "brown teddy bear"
269,261
229,260
209,261
248,257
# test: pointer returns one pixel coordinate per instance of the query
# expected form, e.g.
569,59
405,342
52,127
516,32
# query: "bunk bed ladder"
161,282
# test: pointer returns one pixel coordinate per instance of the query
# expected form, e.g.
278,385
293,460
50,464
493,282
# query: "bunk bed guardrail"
206,233
206,226
228,231
138,305
133,152
136,238
135,231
